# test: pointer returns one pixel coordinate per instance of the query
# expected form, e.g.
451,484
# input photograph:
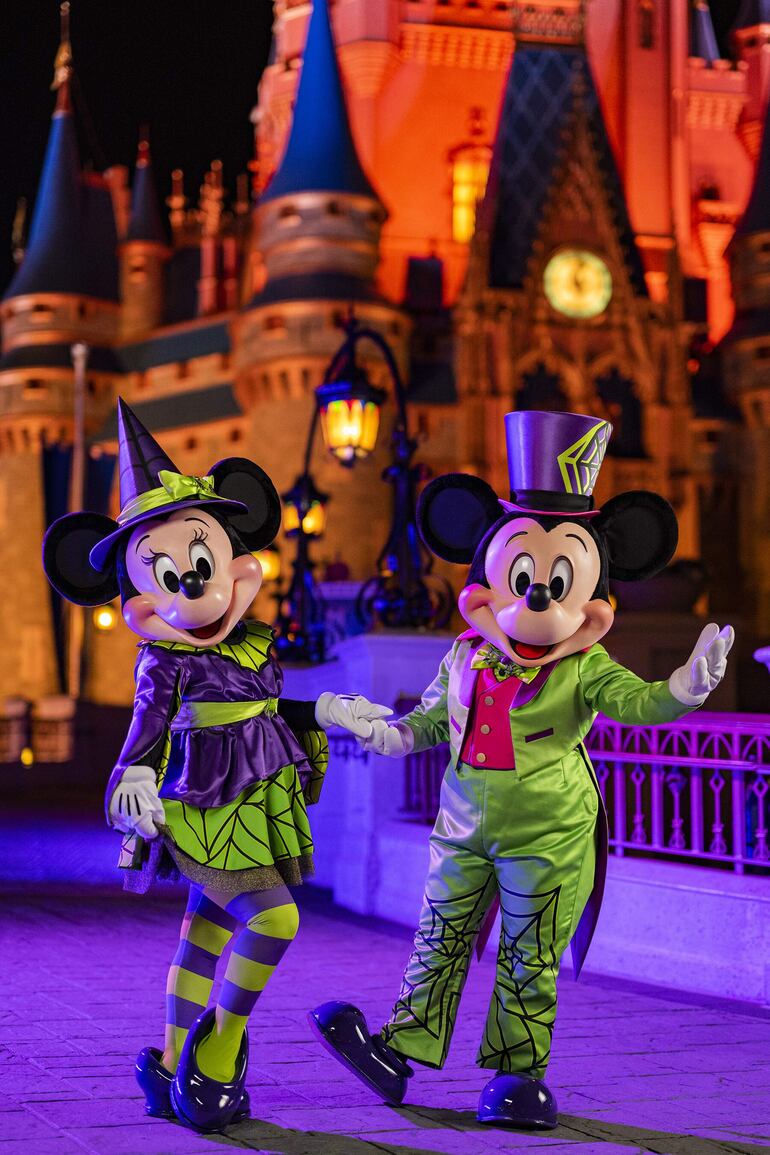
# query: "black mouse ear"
238,479
66,547
640,531
453,514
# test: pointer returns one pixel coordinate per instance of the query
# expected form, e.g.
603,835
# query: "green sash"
202,715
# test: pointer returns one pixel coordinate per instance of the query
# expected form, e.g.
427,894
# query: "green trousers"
531,840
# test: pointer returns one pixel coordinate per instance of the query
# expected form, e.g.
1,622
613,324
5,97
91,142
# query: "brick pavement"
635,1070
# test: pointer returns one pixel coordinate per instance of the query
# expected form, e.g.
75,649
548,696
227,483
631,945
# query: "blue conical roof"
320,155
703,41
72,240
145,222
52,259
752,12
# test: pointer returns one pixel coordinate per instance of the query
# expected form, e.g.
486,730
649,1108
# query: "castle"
537,204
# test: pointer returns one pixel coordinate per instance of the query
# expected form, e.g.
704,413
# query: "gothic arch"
559,380
617,400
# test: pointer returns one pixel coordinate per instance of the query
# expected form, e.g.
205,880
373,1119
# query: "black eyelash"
149,560
199,535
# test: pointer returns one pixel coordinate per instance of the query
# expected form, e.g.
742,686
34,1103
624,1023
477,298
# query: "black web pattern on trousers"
517,993
437,968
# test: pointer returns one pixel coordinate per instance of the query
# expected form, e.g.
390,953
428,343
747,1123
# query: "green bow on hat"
488,657
174,487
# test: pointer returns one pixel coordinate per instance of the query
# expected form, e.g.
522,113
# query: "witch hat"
79,550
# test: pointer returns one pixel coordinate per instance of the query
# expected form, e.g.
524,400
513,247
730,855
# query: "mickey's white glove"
135,805
692,683
351,711
394,740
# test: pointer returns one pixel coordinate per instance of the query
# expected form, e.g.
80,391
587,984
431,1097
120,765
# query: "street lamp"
402,594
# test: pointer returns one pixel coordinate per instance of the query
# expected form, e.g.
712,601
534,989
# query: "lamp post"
403,594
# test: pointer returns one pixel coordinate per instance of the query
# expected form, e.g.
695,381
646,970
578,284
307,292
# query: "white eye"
560,581
202,560
166,573
522,574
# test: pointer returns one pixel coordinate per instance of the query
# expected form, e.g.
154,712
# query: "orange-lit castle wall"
425,79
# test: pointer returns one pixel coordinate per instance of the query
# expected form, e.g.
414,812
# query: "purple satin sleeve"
158,674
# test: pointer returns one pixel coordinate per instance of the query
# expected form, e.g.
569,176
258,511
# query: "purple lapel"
530,689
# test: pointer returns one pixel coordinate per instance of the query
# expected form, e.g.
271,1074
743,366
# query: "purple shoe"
205,1104
341,1028
155,1081
517,1101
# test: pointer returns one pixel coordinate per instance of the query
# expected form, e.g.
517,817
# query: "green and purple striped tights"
261,924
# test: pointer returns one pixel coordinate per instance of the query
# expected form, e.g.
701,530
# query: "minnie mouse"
521,821
217,768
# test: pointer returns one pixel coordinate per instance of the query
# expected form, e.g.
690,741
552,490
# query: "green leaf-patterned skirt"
259,840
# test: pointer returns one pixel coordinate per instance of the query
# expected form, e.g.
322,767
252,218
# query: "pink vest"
488,741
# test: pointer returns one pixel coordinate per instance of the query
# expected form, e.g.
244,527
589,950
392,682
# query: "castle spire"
52,260
703,41
320,155
145,222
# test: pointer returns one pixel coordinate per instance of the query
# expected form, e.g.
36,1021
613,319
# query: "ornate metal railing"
692,791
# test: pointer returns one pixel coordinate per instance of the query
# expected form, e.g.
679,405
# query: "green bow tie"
488,657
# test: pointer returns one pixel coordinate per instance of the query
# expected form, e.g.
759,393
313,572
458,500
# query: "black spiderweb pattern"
437,968
517,1036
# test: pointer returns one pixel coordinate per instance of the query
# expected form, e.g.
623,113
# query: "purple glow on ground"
634,1070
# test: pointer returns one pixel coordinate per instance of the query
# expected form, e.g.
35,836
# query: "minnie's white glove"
351,711
135,805
692,683
394,740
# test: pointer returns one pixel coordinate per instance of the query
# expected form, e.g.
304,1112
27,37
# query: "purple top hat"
553,461
150,484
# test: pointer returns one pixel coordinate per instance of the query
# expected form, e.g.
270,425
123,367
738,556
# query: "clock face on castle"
577,283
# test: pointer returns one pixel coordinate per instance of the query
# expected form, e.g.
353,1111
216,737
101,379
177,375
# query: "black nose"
538,597
193,586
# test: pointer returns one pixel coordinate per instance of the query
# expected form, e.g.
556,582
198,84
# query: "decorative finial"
177,202
143,149
62,69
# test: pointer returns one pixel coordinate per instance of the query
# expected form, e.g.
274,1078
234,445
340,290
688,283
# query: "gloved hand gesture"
394,740
692,683
351,711
135,805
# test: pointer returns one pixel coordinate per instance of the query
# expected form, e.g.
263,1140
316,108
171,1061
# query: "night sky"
190,69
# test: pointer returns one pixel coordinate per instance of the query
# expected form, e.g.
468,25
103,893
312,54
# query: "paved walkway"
83,979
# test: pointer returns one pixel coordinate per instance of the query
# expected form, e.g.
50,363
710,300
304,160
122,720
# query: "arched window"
541,389
470,169
620,405
646,11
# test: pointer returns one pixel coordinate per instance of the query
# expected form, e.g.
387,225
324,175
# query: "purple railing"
695,790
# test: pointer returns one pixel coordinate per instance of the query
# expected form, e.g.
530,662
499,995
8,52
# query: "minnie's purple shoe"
202,1103
155,1081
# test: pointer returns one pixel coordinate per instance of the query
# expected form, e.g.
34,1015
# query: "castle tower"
316,248
143,253
751,36
65,290
746,367
557,312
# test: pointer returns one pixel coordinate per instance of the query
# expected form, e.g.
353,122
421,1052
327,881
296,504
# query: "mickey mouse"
521,822
217,768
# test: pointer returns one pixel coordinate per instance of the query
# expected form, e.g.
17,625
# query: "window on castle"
542,389
34,387
619,404
646,16
470,169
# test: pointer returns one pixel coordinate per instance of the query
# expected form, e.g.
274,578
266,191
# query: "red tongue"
531,653
204,632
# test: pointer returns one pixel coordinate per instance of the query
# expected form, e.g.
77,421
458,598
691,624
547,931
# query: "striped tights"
261,924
